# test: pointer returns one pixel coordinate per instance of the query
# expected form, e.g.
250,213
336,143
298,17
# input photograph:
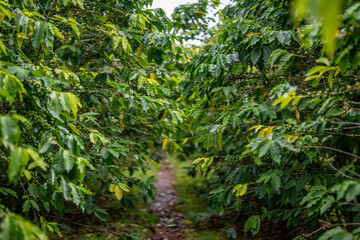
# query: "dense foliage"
85,87
276,113
267,107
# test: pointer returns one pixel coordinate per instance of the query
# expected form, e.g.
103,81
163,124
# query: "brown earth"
171,223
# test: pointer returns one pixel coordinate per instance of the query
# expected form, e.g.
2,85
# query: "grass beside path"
125,220
193,206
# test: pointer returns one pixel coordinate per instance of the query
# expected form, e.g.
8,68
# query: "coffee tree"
276,115
85,87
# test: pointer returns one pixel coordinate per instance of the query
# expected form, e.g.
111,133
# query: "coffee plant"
274,121
85,89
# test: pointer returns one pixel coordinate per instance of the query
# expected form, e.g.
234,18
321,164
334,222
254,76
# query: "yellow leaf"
27,174
74,103
262,132
279,100
73,127
110,26
6,13
311,78
2,47
297,114
122,125
5,3
286,102
269,131
331,78
118,192
164,115
257,127
2,16
220,140
152,76
291,138
165,140
337,72
251,33
292,93
240,189
296,100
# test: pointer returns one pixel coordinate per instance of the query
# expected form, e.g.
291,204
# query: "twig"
333,149
344,174
355,103
346,123
344,134
329,225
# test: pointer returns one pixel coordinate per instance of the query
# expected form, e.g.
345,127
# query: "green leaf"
9,229
38,35
38,160
276,152
330,233
64,101
327,204
302,182
50,35
26,206
75,194
34,205
253,223
255,55
58,162
323,60
264,149
33,191
144,104
284,37
68,160
7,191
10,132
275,181
352,192
65,189
18,160
226,90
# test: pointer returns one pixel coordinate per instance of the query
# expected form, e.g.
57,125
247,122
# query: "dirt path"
171,223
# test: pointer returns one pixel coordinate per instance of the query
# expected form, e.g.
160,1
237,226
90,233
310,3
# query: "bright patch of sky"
169,5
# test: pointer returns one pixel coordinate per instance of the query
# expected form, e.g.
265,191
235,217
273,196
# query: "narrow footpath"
171,223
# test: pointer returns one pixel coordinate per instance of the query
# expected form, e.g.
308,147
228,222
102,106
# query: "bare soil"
171,223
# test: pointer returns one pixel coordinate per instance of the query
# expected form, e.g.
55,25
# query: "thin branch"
344,134
344,174
355,103
346,123
329,225
333,149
